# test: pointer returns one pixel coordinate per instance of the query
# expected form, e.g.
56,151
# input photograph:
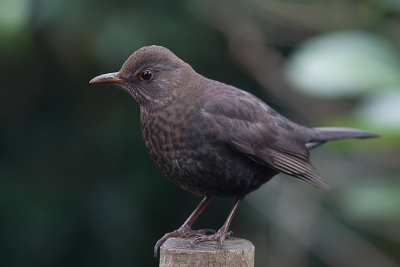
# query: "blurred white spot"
344,64
381,110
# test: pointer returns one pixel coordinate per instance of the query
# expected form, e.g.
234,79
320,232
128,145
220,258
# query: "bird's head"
152,75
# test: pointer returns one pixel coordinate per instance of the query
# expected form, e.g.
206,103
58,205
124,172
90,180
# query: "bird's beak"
109,78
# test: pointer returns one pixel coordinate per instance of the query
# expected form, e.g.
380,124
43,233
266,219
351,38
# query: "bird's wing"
259,132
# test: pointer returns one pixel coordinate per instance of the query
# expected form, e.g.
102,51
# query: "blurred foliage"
345,64
77,187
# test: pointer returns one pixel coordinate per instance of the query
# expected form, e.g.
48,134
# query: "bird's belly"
193,156
212,172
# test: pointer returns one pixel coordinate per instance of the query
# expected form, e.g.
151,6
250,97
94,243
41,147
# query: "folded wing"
261,134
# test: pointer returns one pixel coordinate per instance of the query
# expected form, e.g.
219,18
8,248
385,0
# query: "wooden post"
234,252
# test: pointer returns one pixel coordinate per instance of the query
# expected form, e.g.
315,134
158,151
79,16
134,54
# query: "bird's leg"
222,233
186,228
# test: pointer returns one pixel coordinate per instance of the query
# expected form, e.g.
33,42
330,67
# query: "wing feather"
298,167
260,133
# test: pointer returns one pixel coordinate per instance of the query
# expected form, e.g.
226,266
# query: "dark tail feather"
324,134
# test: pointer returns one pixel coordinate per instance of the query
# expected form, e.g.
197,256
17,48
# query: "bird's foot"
183,231
186,231
220,236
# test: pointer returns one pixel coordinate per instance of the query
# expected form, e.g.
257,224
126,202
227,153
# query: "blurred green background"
77,187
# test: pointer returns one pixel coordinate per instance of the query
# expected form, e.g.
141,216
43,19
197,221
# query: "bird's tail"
324,134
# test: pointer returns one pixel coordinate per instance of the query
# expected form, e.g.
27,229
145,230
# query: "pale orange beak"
109,78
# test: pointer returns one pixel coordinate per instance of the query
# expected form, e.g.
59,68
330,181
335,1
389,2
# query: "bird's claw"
187,232
184,231
220,236
163,239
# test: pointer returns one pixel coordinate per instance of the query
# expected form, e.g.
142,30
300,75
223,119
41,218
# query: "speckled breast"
190,152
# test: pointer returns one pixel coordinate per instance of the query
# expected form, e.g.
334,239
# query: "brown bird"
213,139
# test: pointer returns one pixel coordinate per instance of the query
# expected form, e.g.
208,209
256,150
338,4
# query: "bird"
213,139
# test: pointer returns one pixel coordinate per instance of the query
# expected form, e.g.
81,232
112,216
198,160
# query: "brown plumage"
213,139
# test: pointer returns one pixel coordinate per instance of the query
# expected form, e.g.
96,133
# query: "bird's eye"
146,75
